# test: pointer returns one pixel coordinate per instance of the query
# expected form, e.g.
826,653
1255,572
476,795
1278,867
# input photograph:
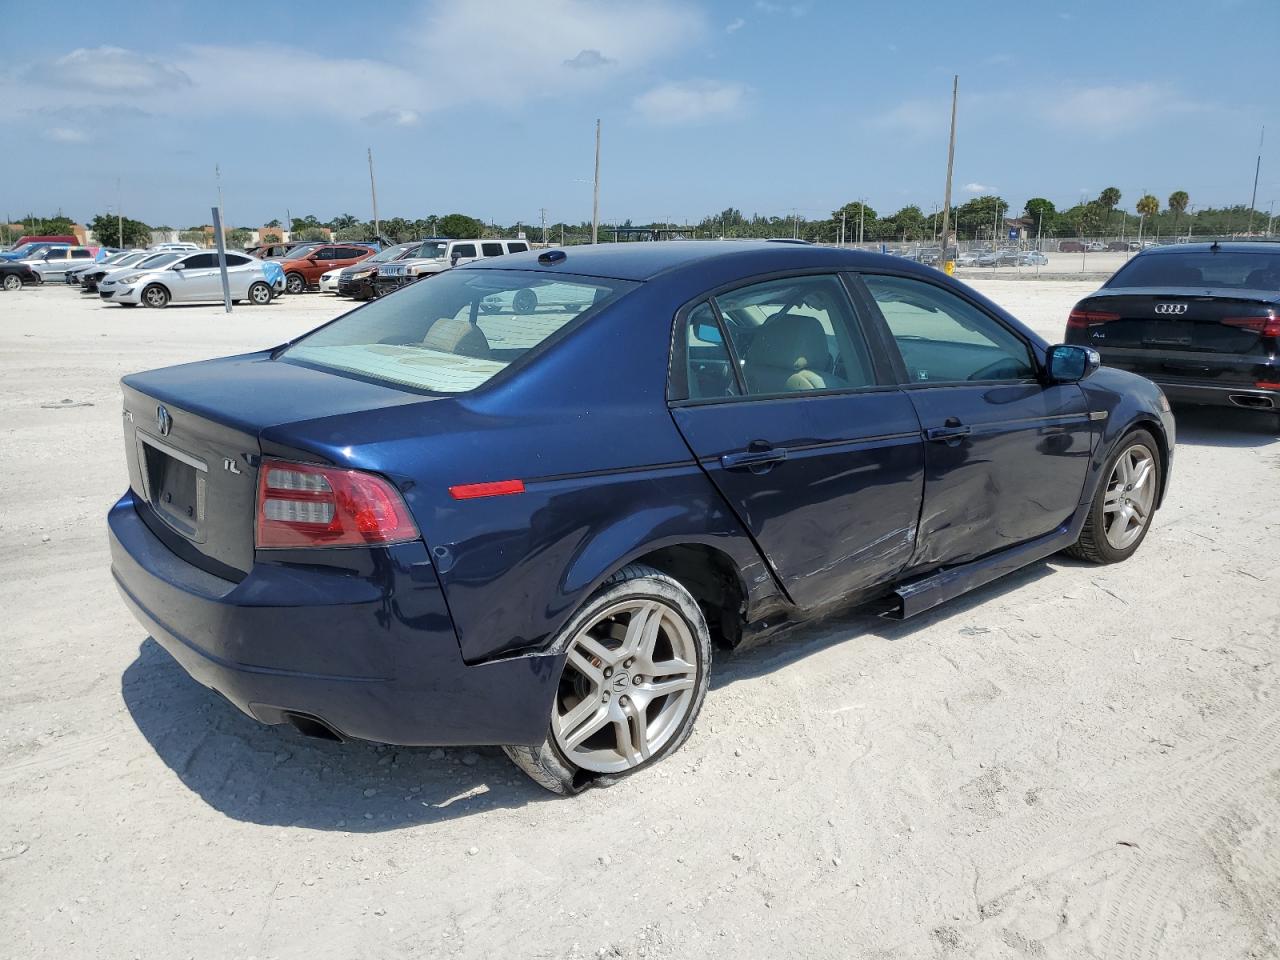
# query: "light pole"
595,191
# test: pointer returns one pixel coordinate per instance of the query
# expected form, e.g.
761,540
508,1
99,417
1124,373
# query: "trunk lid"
193,443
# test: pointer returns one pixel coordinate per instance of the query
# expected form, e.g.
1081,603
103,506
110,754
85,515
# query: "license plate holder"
175,485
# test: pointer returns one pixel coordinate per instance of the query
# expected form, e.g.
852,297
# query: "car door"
198,279
54,264
240,273
462,253
798,423
1005,453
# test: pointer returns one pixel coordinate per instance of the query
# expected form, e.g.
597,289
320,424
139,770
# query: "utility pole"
1257,168
843,217
595,191
218,238
543,211
373,193
951,159
862,217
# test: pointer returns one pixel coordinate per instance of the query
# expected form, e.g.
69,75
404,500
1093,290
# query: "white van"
438,254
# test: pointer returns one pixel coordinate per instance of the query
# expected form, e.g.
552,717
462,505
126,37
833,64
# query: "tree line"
981,218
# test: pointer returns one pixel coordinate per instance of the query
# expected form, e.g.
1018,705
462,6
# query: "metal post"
951,157
120,215
373,193
1257,168
222,259
843,216
217,175
862,213
543,211
595,191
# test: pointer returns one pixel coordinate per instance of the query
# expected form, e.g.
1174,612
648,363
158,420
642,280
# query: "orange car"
304,271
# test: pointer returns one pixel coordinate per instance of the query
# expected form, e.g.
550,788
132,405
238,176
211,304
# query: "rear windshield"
455,331
1242,270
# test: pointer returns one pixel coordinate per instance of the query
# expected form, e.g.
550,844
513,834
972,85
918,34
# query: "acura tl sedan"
520,503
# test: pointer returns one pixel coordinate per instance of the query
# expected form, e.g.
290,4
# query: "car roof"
1230,246
644,260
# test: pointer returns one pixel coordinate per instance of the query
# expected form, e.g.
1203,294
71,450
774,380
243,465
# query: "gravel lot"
1072,762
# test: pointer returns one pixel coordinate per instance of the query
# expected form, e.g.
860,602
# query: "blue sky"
768,105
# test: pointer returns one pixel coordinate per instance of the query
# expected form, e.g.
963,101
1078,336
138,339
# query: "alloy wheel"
627,688
1131,493
12,281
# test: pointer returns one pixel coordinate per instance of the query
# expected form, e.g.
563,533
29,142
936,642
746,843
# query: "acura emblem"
1171,308
164,422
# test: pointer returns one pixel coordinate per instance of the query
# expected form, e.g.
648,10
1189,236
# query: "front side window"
464,250
797,334
944,339
518,247
81,254
201,261
491,249
458,331
323,253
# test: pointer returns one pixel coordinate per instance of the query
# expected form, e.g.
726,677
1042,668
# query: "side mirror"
179,266
1068,363
708,333
453,258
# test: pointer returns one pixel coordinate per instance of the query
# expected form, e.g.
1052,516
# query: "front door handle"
951,429
757,456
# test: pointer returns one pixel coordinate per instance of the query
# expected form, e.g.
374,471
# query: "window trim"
883,363
857,278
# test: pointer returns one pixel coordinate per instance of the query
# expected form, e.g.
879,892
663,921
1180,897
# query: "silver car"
76,275
53,263
189,278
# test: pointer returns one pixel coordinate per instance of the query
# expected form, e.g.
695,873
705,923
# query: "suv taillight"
305,505
1082,319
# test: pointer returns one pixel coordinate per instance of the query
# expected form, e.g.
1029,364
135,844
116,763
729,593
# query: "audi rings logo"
1171,309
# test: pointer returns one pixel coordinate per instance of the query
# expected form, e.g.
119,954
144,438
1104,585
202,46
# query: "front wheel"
156,296
12,281
295,283
259,294
1121,512
636,673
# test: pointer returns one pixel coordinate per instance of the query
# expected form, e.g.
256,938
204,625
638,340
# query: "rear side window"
1241,270
710,368
518,247
325,253
235,260
944,339
458,331
491,249
798,334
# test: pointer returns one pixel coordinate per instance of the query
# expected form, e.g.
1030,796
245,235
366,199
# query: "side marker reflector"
497,488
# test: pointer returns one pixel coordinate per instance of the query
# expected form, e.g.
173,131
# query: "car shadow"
1222,427
277,777
805,639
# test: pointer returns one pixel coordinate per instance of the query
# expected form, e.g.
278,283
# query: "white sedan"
329,281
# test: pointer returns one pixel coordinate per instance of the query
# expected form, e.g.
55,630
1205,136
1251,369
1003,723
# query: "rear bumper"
372,657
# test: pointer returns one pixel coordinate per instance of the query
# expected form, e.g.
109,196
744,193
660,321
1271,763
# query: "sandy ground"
1072,762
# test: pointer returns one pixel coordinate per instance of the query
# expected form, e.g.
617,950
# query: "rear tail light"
1268,385
1268,325
304,505
1081,319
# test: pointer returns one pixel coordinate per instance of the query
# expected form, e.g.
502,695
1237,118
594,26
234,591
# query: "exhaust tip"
1252,401
312,727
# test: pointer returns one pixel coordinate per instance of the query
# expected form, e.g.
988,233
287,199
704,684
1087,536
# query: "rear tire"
639,660
295,283
155,296
1124,504
259,294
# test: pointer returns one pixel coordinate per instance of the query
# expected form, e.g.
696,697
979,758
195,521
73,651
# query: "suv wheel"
295,283
639,659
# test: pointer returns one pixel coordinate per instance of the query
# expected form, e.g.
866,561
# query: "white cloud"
1106,110
734,25
395,117
589,60
794,9
978,188
690,101
108,70
66,135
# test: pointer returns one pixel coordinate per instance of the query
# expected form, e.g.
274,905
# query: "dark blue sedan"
518,502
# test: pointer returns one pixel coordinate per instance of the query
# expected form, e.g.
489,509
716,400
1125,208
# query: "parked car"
1200,319
15,275
188,278
89,275
303,269
27,245
357,280
175,246
274,251
432,523
1032,258
1071,246
52,264
438,254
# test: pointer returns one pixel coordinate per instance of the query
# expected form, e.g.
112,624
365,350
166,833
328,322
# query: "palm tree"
1108,199
1148,206
1178,201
